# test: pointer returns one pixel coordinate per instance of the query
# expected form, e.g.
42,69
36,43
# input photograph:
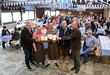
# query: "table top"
6,38
105,42
105,45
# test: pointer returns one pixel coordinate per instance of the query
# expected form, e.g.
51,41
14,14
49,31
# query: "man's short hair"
4,26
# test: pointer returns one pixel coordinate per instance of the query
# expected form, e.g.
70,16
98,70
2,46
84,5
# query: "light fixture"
11,4
16,4
11,8
7,7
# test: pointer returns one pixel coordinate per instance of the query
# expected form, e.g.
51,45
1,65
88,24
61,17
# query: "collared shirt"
30,31
91,42
58,32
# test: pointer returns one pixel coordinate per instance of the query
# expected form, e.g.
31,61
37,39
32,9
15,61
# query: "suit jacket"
26,38
4,32
75,39
64,43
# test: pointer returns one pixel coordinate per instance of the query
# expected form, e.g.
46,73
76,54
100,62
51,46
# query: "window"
28,15
47,12
57,13
31,14
52,13
6,17
16,16
25,16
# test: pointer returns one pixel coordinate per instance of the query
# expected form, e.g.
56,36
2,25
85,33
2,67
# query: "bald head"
75,25
64,24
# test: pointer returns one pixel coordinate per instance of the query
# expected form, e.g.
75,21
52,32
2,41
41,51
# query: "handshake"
59,38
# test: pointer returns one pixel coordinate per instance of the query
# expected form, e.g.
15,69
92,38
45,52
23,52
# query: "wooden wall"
40,12
86,12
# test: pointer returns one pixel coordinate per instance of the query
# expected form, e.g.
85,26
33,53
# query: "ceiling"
58,4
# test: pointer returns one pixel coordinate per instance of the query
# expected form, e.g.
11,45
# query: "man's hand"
92,49
59,38
38,40
35,50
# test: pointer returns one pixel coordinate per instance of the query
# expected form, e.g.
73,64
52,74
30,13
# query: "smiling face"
29,25
75,25
64,25
38,29
89,33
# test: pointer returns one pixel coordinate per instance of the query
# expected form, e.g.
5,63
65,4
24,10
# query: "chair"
95,54
16,44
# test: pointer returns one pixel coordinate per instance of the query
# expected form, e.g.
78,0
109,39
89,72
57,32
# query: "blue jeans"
86,52
28,56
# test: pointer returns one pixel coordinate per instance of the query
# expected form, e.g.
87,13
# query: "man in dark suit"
64,45
26,43
75,44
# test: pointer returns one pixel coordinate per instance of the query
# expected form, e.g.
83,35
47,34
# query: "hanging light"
11,4
101,0
7,7
99,6
85,1
20,4
96,1
75,1
80,1
16,4
11,8
8,4
28,3
3,4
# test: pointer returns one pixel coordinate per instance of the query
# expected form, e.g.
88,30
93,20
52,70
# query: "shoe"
56,64
4,48
30,69
47,65
77,71
37,65
73,68
84,62
33,63
43,67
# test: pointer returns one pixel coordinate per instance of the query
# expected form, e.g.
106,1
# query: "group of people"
8,36
68,44
34,48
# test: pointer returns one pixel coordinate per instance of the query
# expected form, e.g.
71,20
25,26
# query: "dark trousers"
64,51
3,44
28,56
76,57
